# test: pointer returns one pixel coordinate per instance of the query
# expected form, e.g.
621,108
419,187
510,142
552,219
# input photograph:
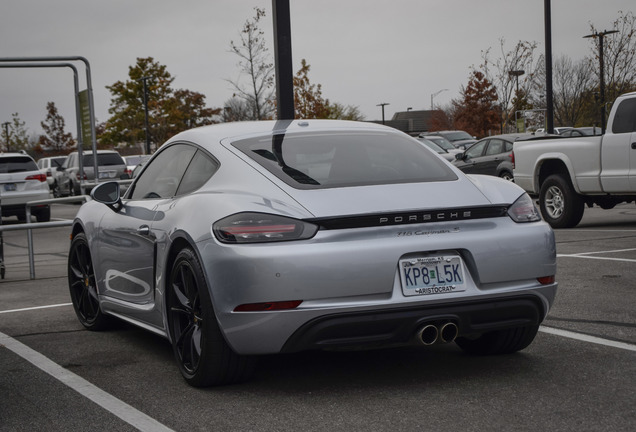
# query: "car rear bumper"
400,327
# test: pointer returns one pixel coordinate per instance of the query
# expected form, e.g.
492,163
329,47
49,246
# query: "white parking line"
587,338
589,255
105,400
35,308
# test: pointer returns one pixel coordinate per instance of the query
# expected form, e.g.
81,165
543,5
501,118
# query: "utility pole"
549,103
383,104
600,37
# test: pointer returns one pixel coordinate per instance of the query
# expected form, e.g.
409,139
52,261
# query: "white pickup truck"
568,173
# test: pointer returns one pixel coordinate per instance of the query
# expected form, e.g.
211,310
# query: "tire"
560,205
507,175
43,215
83,287
203,355
499,342
56,190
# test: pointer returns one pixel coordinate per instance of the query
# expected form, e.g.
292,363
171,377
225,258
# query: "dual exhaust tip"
443,333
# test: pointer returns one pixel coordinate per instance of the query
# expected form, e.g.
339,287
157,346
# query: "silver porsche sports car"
275,237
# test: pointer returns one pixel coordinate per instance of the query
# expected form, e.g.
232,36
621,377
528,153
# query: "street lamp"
600,37
516,74
145,79
383,104
435,94
6,133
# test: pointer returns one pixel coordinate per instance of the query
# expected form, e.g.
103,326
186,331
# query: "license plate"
10,187
104,174
432,275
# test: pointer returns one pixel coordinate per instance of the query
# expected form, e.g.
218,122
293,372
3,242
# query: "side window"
495,146
199,171
508,146
162,176
476,150
625,118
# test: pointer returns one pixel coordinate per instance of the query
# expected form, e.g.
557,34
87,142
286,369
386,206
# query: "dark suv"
110,165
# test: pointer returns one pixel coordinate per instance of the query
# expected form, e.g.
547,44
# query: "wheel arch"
553,165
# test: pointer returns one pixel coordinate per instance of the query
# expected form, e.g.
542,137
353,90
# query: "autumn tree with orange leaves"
477,111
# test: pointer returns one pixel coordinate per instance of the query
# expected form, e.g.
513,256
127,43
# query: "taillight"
39,177
512,159
77,176
268,306
261,228
523,210
546,280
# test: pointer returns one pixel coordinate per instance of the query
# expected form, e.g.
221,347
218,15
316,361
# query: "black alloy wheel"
83,286
203,355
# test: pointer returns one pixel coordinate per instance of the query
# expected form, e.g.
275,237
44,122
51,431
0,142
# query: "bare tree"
255,63
519,58
572,81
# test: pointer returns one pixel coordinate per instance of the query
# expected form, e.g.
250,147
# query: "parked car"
582,131
490,156
443,143
437,149
460,139
48,166
21,181
310,235
559,130
67,178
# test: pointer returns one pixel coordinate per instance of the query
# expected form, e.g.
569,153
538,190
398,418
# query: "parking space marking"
35,307
105,400
587,338
590,255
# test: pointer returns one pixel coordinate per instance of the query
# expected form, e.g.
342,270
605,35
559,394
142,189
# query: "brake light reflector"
39,177
268,306
546,280
261,228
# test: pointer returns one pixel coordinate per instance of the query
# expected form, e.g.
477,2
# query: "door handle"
143,230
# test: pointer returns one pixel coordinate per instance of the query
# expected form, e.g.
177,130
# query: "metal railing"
29,226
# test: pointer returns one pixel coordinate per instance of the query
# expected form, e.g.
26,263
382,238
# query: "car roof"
216,133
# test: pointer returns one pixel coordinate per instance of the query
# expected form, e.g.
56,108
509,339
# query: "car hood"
466,191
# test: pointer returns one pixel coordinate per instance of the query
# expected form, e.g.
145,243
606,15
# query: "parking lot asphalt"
579,374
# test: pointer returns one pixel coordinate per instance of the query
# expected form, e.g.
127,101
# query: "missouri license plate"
432,275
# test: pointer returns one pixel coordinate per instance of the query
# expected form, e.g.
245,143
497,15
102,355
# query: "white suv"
20,182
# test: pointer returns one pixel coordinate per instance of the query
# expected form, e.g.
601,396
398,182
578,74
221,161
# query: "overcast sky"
362,52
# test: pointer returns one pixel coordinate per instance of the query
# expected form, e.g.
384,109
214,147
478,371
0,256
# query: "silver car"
244,239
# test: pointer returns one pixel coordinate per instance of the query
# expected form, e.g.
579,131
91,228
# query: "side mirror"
60,168
459,156
107,193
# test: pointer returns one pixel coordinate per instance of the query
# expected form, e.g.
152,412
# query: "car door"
494,155
472,161
618,150
127,240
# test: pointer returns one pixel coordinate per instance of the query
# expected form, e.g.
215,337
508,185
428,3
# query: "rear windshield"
104,159
17,164
328,160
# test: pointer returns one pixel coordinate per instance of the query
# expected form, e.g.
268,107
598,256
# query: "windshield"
328,160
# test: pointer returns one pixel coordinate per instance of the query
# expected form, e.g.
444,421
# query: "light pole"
435,94
145,79
6,134
600,37
516,74
383,104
